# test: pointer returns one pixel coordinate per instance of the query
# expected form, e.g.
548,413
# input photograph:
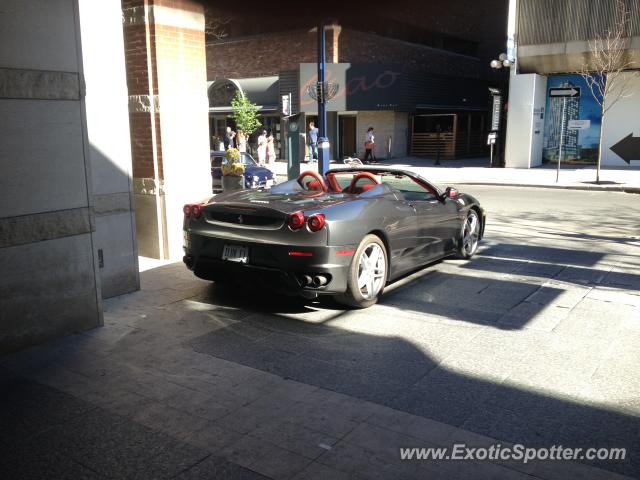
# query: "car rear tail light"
193,210
316,222
300,254
296,221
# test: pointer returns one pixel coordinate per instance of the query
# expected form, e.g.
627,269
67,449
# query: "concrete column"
168,111
109,145
49,280
525,124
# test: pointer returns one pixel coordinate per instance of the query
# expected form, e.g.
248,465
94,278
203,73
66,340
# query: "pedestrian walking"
312,140
262,147
369,145
271,149
241,140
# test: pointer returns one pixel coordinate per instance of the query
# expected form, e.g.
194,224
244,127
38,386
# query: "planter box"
230,182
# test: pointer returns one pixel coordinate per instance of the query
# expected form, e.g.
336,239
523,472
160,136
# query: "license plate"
235,253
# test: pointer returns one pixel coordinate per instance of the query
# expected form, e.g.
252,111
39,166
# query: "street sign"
564,92
495,113
628,148
579,124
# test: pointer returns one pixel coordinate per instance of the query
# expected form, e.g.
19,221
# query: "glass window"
216,162
247,160
410,189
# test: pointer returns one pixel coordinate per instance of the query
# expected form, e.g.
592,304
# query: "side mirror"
450,192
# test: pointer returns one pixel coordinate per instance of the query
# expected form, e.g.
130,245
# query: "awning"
263,91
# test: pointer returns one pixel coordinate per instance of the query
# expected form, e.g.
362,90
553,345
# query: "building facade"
404,90
551,41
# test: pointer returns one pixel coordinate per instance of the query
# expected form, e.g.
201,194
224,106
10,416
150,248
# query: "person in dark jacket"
228,139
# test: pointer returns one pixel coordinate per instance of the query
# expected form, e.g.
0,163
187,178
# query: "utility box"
295,126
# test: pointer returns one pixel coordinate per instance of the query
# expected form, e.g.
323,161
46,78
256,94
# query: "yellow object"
233,166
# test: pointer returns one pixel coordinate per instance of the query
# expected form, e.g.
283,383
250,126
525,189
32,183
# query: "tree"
216,25
245,114
605,67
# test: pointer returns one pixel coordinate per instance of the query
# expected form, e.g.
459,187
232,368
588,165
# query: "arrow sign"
628,148
564,92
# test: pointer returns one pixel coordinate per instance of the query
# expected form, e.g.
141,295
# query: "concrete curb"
592,188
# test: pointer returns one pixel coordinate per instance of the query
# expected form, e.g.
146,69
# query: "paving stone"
424,429
318,471
196,403
295,438
212,437
215,468
165,419
444,396
28,408
534,316
265,458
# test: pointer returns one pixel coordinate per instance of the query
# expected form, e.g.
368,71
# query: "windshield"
247,160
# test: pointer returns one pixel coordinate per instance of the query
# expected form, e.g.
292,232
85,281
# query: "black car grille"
245,219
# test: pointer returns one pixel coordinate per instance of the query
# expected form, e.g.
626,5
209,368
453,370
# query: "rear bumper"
272,265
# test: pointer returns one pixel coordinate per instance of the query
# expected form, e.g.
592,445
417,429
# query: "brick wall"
168,109
270,54
359,47
266,54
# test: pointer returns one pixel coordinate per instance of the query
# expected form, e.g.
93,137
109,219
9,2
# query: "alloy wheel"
371,271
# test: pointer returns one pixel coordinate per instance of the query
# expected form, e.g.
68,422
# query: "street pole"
564,105
438,129
323,141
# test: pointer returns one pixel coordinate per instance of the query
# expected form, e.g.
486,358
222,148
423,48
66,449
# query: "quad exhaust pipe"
319,280
315,281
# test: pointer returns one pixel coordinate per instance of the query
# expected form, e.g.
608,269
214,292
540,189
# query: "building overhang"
566,57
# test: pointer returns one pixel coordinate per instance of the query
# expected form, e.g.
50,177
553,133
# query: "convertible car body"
347,233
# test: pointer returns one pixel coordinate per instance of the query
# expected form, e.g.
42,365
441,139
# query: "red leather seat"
314,185
367,186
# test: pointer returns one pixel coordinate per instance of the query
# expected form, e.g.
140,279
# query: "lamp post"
323,141
495,136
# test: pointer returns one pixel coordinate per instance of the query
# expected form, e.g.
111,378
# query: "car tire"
469,236
367,275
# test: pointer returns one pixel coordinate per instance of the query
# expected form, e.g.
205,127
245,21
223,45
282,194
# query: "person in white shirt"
262,148
369,145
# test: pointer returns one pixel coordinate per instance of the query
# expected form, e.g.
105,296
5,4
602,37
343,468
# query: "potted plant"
233,171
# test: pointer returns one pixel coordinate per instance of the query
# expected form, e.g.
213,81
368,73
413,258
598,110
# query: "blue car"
255,176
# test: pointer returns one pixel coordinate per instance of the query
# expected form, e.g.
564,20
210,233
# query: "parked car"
255,176
347,233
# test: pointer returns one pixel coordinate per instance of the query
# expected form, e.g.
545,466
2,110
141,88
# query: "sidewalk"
476,172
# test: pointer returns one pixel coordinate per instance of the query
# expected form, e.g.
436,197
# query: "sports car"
347,233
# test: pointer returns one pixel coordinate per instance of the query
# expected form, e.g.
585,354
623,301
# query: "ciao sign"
359,87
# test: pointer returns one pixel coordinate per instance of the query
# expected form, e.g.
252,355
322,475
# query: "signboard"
286,105
579,124
572,119
360,86
564,92
628,148
495,113
491,139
